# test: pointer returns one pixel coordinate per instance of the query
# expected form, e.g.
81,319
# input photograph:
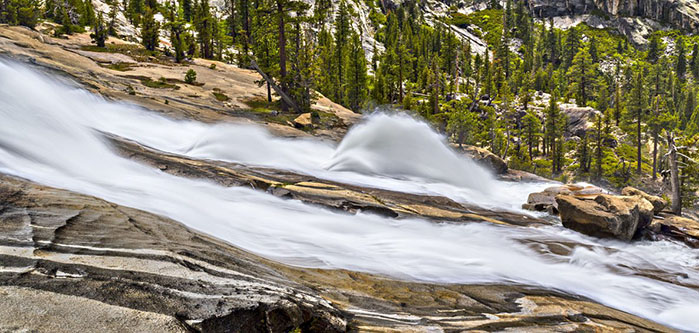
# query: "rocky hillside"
683,14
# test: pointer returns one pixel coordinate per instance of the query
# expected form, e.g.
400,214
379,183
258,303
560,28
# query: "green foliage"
461,122
489,21
99,32
190,77
20,12
220,96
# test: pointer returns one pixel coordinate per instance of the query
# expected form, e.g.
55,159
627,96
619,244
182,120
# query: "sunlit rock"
605,215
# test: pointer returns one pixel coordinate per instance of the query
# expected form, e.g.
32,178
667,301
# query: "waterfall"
50,134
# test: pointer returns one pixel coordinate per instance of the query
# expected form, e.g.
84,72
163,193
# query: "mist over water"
49,134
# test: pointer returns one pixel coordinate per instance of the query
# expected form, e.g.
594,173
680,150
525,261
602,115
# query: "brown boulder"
658,202
677,228
485,158
605,215
545,201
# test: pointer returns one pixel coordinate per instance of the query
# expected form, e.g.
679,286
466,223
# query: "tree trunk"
674,177
638,142
655,156
282,52
599,147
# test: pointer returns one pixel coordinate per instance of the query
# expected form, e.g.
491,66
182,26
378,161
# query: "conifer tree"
134,11
150,30
88,17
20,12
532,127
461,122
177,28
99,33
356,90
637,109
342,35
581,73
186,10
681,64
694,64
111,27
654,48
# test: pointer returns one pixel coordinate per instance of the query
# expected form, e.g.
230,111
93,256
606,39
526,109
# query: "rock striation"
77,263
74,263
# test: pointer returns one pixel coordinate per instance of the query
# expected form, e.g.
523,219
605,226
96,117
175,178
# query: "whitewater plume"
399,146
49,133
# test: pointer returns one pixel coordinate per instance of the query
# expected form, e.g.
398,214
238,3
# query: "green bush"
190,77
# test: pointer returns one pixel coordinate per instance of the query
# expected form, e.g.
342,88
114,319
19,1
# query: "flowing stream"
49,133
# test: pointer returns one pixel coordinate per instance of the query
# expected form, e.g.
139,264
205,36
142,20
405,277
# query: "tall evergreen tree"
582,75
681,64
150,30
342,35
99,31
356,88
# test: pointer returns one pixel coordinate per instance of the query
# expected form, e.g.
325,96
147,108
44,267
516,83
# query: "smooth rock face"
658,203
605,215
111,268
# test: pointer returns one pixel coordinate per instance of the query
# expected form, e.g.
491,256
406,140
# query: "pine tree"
356,90
582,75
572,47
87,17
599,143
150,30
177,28
99,32
461,122
186,9
593,50
302,68
681,65
134,11
20,12
555,124
694,64
485,75
204,25
111,27
602,95
342,34
654,48
532,127
637,109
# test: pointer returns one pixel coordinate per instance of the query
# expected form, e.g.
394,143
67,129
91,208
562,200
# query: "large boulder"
658,202
677,228
605,215
485,158
545,201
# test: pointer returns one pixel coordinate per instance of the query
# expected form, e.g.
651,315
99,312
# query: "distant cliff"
683,14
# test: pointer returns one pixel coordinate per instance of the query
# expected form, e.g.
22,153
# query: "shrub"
190,77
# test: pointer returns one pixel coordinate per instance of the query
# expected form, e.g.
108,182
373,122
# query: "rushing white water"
47,134
410,157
